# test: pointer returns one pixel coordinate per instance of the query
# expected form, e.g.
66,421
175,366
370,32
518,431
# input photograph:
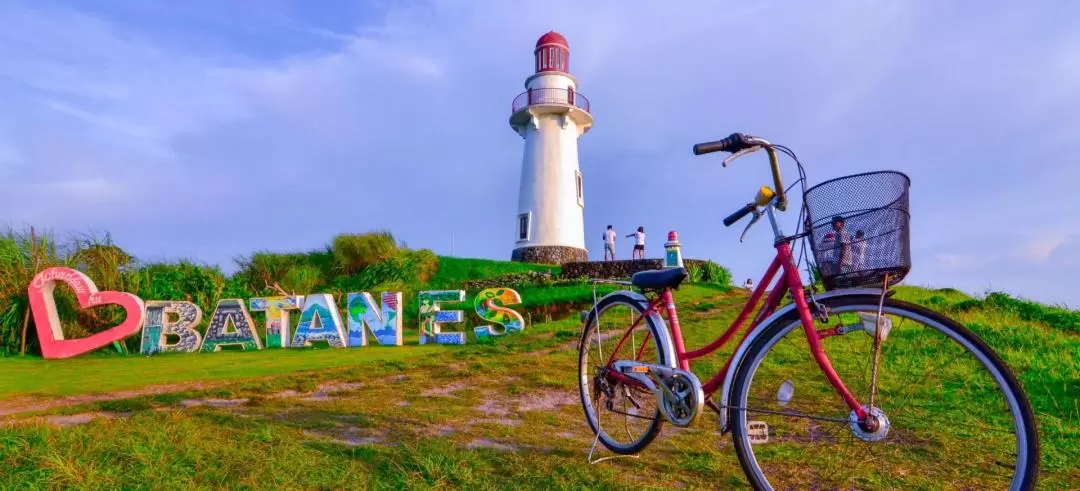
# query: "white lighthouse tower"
550,115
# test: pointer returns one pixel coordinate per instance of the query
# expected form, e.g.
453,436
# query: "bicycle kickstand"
609,457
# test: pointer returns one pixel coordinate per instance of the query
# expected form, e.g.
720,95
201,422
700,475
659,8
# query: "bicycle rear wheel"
954,416
625,418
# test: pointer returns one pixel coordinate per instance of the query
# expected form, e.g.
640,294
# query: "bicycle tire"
1027,431
587,337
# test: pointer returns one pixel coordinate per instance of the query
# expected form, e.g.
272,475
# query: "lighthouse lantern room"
550,116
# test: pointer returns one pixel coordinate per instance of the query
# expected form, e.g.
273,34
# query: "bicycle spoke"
624,416
943,417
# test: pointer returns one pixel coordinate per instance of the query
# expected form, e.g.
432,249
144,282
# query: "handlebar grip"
733,143
734,217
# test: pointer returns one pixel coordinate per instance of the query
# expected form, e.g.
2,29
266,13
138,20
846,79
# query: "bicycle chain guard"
678,392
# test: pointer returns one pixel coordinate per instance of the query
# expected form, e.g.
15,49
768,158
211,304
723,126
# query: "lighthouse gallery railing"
563,97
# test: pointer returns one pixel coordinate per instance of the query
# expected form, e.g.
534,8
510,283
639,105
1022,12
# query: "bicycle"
762,376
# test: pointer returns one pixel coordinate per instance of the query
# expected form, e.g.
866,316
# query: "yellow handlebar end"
764,195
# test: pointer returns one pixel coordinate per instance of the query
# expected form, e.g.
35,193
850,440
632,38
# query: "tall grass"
372,262
354,262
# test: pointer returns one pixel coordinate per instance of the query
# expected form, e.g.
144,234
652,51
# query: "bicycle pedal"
758,431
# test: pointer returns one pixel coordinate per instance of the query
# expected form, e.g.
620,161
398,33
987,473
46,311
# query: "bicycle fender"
663,336
740,352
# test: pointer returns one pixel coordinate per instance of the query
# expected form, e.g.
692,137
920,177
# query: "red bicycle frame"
790,281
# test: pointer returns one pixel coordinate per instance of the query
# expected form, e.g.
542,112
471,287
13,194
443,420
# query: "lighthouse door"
570,95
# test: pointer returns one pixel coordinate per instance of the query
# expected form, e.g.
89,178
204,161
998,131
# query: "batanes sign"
231,322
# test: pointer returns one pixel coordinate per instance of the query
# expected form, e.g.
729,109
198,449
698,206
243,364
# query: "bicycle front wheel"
951,415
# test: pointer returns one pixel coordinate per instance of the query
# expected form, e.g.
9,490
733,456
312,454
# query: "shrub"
23,255
301,279
184,280
354,252
262,271
694,272
715,273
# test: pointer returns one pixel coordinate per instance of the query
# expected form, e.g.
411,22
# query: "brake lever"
731,158
757,216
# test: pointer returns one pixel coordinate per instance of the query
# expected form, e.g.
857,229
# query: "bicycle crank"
678,392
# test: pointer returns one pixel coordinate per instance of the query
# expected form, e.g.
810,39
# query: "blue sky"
210,129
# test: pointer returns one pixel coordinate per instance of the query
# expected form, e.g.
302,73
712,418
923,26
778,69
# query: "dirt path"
19,405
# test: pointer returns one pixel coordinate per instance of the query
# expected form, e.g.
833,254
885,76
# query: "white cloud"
1040,250
96,189
398,120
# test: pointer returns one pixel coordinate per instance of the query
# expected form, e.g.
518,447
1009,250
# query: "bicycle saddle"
658,279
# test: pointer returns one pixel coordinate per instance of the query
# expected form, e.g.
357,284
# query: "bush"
707,272
715,273
201,285
23,255
693,272
301,279
408,267
353,253
263,272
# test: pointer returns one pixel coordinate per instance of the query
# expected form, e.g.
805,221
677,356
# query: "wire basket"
860,229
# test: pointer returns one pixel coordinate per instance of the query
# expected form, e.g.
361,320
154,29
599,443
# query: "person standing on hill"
609,244
639,243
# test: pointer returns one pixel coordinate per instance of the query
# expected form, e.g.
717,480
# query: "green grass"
455,271
91,374
105,372
450,417
371,262
445,418
495,414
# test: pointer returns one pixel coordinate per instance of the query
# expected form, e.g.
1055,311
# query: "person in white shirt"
609,244
858,251
639,243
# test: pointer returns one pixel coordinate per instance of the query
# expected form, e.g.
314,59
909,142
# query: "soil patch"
546,401
24,404
492,407
350,436
213,402
64,420
318,397
340,386
444,390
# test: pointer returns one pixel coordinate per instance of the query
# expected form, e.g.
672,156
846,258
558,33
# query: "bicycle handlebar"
735,143
738,215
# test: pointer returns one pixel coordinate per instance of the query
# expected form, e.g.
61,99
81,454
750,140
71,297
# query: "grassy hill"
371,262
485,415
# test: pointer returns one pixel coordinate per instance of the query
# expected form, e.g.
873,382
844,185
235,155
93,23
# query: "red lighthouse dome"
552,53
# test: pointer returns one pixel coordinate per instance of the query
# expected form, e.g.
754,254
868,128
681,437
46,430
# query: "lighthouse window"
580,198
523,226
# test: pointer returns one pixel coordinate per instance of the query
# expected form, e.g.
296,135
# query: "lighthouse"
550,116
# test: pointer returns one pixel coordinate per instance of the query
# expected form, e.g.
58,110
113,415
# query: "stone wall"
518,280
549,254
616,270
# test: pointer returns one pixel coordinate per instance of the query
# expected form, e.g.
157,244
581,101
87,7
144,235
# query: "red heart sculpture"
43,305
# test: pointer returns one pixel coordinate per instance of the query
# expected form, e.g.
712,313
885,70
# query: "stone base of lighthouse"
549,254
